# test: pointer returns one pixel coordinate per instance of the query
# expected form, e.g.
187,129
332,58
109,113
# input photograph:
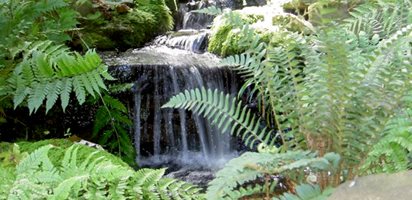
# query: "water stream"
170,137
172,63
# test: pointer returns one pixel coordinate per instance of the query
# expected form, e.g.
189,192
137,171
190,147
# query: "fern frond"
93,177
243,192
390,154
225,113
65,188
49,71
111,129
379,19
35,160
307,192
251,166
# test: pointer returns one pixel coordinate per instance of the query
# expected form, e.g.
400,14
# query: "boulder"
376,187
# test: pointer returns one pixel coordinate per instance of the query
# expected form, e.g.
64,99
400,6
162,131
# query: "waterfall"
168,136
172,64
182,114
157,119
137,127
191,40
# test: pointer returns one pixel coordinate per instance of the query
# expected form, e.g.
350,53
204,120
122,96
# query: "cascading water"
168,136
189,39
171,64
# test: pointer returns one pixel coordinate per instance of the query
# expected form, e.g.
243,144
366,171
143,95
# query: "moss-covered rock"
108,26
292,23
224,32
323,12
319,12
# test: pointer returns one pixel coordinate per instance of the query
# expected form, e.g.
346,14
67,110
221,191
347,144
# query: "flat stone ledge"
376,187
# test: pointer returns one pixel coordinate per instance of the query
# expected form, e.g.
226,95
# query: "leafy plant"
225,113
34,64
250,166
226,35
36,68
92,178
307,191
340,90
10,156
111,129
48,71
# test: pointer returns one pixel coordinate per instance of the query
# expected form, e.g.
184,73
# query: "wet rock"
197,177
191,40
256,2
377,187
232,4
122,8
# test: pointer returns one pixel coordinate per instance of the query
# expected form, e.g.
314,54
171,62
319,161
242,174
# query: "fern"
390,154
94,177
251,166
244,192
48,71
111,129
340,90
223,112
307,192
380,19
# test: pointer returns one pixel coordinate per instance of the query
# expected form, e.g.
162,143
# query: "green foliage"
343,68
390,154
172,5
48,72
27,20
161,13
225,113
225,39
92,178
10,155
57,154
7,177
111,129
251,166
382,20
344,90
307,192
105,28
34,66
321,12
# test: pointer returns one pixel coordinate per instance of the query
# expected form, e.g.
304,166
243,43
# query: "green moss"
218,38
98,41
56,154
133,28
222,25
162,14
225,31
